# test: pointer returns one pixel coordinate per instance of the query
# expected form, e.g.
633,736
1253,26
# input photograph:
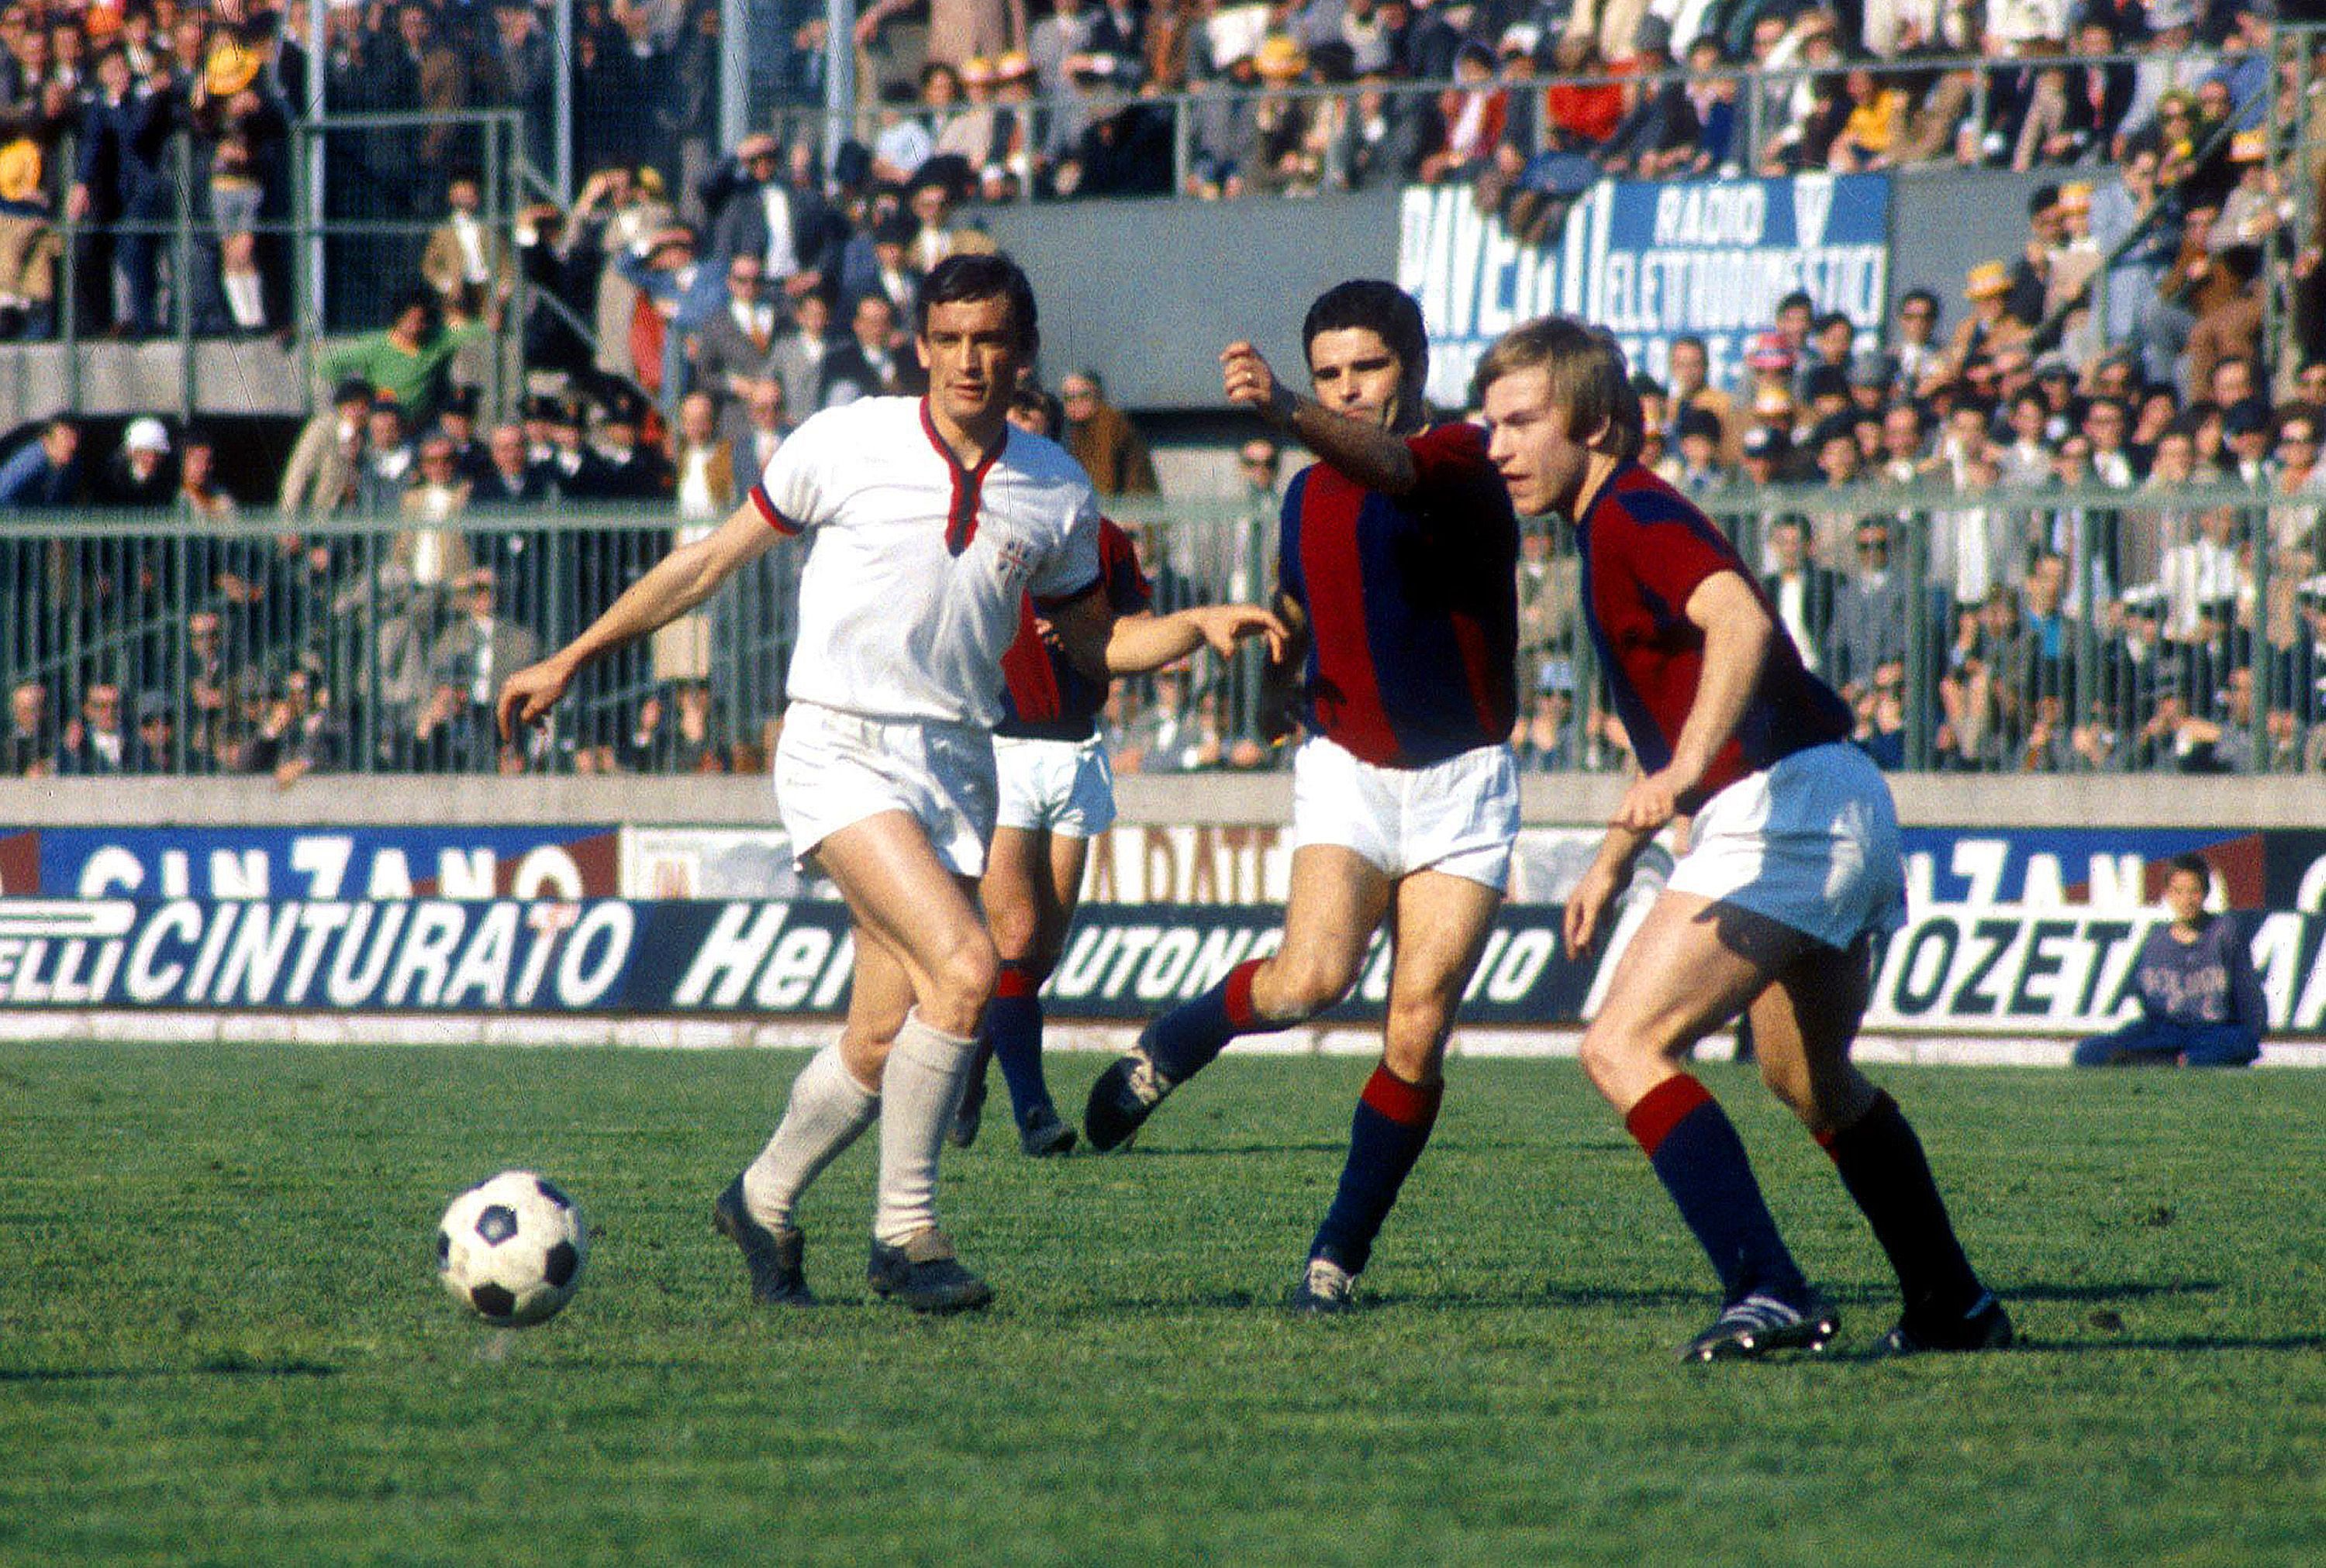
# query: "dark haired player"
1399,553
929,522
1791,875
1057,794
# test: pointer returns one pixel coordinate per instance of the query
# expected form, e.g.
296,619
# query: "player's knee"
1016,932
1299,987
965,973
1414,1038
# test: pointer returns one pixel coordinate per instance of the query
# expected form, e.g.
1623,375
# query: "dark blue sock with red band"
1390,1130
1881,1164
1183,1041
1702,1162
1013,1026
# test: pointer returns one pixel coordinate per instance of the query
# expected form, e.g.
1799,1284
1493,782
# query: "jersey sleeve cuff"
766,510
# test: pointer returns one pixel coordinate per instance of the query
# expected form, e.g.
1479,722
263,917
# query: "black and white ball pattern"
512,1249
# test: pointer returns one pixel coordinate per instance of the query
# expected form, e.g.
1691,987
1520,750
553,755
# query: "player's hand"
1249,382
1653,800
1227,625
528,696
1587,906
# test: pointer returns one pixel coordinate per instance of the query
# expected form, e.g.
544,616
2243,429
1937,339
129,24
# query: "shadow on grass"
225,1366
1214,1151
2105,1290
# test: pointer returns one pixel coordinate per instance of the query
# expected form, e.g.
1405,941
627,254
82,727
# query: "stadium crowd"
688,309
118,115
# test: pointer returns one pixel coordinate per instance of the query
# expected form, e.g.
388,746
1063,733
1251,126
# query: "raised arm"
676,583
1376,458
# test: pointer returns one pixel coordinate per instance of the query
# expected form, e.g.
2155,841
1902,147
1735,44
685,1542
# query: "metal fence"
2092,630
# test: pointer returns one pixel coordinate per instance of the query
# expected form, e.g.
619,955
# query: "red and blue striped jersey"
1646,549
1042,696
1412,603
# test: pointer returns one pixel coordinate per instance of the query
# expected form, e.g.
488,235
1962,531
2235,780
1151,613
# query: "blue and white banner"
319,863
1955,970
1649,261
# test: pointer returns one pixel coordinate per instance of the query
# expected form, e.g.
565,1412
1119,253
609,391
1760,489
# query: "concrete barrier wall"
2099,800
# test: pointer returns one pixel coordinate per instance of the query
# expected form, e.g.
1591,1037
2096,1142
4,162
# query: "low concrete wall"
2099,800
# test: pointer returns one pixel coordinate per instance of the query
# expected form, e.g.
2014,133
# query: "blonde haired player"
929,521
1791,875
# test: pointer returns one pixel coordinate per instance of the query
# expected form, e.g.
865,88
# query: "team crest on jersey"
1014,555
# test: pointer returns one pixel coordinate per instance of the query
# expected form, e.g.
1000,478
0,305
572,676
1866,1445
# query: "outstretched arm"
677,584
1146,641
1377,458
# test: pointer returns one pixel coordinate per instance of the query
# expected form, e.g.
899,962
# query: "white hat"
145,435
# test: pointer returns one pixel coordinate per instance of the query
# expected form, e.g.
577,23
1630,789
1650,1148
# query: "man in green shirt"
406,364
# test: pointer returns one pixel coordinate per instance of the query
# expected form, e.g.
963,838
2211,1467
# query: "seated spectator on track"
29,749
94,743
2201,1002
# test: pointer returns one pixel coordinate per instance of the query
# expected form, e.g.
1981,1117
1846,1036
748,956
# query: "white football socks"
828,1111
921,1089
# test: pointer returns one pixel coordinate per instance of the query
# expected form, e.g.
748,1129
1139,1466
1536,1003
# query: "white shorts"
834,769
1811,843
1459,816
1065,787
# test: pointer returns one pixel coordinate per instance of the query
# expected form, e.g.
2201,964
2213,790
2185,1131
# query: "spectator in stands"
2201,1002
409,364
733,348
679,293
322,473
704,461
765,210
387,463
200,497
139,476
1658,132
937,233
876,359
467,264
797,360
440,492
473,655
1101,437
878,260
30,747
31,249
1803,593
94,743
299,731
45,474
1544,739
1475,114
1867,628
511,477
1580,115
121,195
153,750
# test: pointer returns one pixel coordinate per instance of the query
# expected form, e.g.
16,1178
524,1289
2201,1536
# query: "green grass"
221,1339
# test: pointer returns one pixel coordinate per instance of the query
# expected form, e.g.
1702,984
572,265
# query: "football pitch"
221,1340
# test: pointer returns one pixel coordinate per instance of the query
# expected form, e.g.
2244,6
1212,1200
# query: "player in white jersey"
929,522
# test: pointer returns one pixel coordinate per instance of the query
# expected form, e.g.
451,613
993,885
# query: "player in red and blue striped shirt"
1057,794
1400,551
1791,876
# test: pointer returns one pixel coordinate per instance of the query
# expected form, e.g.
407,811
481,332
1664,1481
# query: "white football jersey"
917,567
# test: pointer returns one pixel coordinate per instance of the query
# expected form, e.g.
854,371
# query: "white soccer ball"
511,1249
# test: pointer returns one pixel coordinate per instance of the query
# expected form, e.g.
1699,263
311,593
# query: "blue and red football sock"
1013,1027
1881,1164
1183,1042
1702,1162
1387,1136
